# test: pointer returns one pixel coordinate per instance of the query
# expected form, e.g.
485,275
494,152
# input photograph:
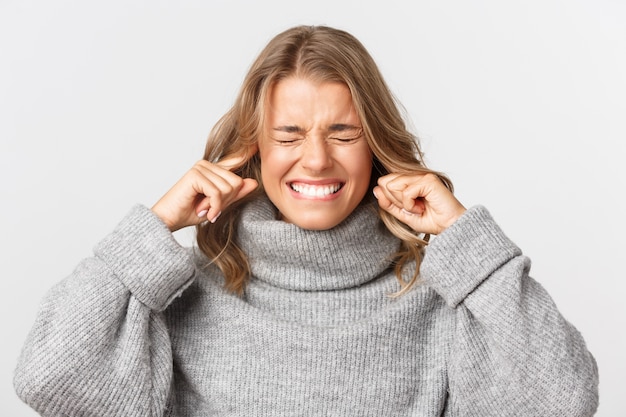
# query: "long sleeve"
513,354
99,346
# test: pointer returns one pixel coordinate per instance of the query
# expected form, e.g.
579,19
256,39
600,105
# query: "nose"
316,155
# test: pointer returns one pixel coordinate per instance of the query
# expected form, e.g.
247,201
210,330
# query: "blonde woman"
313,289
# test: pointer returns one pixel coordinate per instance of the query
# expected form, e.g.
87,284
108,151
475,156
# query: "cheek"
359,163
274,165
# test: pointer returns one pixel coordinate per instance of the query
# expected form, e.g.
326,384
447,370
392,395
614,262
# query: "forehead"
308,102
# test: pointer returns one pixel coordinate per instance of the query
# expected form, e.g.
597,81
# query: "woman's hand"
421,201
203,192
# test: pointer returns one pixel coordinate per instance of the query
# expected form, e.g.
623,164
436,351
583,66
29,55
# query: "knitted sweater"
144,328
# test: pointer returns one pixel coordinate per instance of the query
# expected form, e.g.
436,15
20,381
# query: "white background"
105,104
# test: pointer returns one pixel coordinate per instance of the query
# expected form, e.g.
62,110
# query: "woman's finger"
221,188
202,193
421,201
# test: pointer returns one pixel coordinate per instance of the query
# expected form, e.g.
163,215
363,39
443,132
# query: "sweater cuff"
464,255
146,257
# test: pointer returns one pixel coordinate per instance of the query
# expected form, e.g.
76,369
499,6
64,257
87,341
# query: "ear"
252,150
236,160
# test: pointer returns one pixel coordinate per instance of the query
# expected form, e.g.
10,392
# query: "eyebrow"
289,129
340,127
337,127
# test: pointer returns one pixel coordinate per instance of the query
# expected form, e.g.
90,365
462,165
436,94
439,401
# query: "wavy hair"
321,54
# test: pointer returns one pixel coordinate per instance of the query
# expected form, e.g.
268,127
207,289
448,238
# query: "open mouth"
310,190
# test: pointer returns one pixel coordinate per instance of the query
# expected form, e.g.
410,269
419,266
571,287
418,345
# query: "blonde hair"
322,54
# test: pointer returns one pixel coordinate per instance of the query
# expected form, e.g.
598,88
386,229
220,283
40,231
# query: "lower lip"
327,197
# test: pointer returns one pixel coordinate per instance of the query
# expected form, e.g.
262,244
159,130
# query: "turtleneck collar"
286,256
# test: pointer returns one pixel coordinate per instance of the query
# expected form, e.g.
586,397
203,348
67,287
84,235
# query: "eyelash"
341,140
287,141
345,140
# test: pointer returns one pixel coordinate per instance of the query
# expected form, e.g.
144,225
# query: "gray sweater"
144,328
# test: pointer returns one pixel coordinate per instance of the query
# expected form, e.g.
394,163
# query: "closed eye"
346,138
345,133
343,140
289,141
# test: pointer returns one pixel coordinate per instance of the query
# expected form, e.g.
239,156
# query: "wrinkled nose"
316,156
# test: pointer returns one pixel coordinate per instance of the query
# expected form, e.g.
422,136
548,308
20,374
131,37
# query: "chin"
315,222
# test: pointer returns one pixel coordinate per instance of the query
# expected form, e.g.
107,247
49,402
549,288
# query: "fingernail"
408,213
214,219
203,213
374,192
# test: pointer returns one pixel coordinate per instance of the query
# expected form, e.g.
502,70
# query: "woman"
311,291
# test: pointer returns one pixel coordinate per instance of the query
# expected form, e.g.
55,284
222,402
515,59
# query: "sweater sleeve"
513,354
99,345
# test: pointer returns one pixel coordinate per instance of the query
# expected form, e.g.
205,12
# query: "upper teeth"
314,190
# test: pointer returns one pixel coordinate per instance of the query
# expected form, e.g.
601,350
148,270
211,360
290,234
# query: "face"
315,161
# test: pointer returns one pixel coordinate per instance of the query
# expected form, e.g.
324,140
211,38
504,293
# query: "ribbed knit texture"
144,328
